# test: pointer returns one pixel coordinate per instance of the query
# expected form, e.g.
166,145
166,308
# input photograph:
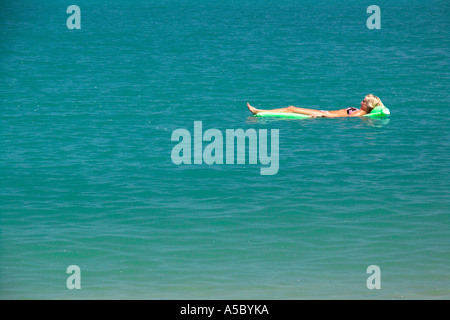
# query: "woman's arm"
328,114
343,113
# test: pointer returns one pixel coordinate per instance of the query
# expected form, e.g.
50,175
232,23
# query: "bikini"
351,110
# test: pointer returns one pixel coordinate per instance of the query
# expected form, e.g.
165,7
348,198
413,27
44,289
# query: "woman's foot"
252,109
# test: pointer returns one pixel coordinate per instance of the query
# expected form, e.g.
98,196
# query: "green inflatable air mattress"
377,112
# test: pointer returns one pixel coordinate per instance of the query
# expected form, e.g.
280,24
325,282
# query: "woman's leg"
290,109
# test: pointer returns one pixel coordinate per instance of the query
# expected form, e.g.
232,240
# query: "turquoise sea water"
85,150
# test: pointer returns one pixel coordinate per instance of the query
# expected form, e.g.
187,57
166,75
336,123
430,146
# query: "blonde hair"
372,101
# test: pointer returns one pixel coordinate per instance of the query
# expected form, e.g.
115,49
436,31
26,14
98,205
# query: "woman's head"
369,102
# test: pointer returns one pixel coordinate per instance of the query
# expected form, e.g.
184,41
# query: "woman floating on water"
369,102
